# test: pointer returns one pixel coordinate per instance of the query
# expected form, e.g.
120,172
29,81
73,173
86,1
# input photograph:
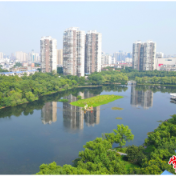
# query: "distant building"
144,56
166,64
21,56
159,55
48,53
1,55
34,57
128,60
106,59
60,57
93,52
73,52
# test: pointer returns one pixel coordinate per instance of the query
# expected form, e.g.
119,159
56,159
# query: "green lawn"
96,101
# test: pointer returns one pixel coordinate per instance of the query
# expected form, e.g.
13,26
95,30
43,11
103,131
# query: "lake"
48,130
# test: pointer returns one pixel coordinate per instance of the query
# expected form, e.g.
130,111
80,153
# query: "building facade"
21,56
93,52
1,55
73,52
48,54
144,56
60,57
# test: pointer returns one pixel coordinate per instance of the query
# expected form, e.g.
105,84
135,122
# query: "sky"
22,24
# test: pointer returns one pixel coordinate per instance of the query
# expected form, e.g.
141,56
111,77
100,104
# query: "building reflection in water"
49,113
74,116
141,98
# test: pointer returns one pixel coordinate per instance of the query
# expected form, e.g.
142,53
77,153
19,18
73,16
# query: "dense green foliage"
96,101
15,90
107,77
156,80
99,157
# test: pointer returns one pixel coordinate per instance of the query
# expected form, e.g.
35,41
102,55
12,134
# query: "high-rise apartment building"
48,54
106,59
1,55
21,56
33,57
73,52
60,57
144,55
93,52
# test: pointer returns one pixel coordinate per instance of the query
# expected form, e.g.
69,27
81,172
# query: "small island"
96,101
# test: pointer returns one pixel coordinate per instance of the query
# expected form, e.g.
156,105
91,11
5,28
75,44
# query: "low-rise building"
166,64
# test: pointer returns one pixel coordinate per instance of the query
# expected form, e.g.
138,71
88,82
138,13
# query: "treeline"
29,108
99,157
18,90
156,80
133,73
107,77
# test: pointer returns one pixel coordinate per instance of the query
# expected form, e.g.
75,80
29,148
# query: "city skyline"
120,28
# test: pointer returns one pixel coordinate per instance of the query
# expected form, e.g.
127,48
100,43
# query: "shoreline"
49,93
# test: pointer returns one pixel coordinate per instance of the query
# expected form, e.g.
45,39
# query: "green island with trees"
100,158
96,101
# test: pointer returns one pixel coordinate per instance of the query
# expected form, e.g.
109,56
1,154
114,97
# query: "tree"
135,154
123,134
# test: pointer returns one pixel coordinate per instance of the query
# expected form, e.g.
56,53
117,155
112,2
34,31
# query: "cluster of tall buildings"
121,56
144,56
81,52
27,57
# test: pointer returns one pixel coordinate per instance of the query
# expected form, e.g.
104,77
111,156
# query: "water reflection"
142,98
74,117
49,112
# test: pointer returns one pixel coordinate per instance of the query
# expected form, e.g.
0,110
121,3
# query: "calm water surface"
47,130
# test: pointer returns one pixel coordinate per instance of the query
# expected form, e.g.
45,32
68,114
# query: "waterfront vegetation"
99,157
96,101
156,80
16,90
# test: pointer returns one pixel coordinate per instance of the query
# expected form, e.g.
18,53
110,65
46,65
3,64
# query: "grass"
96,101
119,118
116,108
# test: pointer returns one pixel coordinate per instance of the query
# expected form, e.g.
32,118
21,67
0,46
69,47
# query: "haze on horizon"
121,23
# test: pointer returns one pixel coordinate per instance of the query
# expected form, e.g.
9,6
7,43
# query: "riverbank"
62,90
156,85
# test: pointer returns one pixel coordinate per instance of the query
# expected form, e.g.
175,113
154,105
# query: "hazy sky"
22,24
